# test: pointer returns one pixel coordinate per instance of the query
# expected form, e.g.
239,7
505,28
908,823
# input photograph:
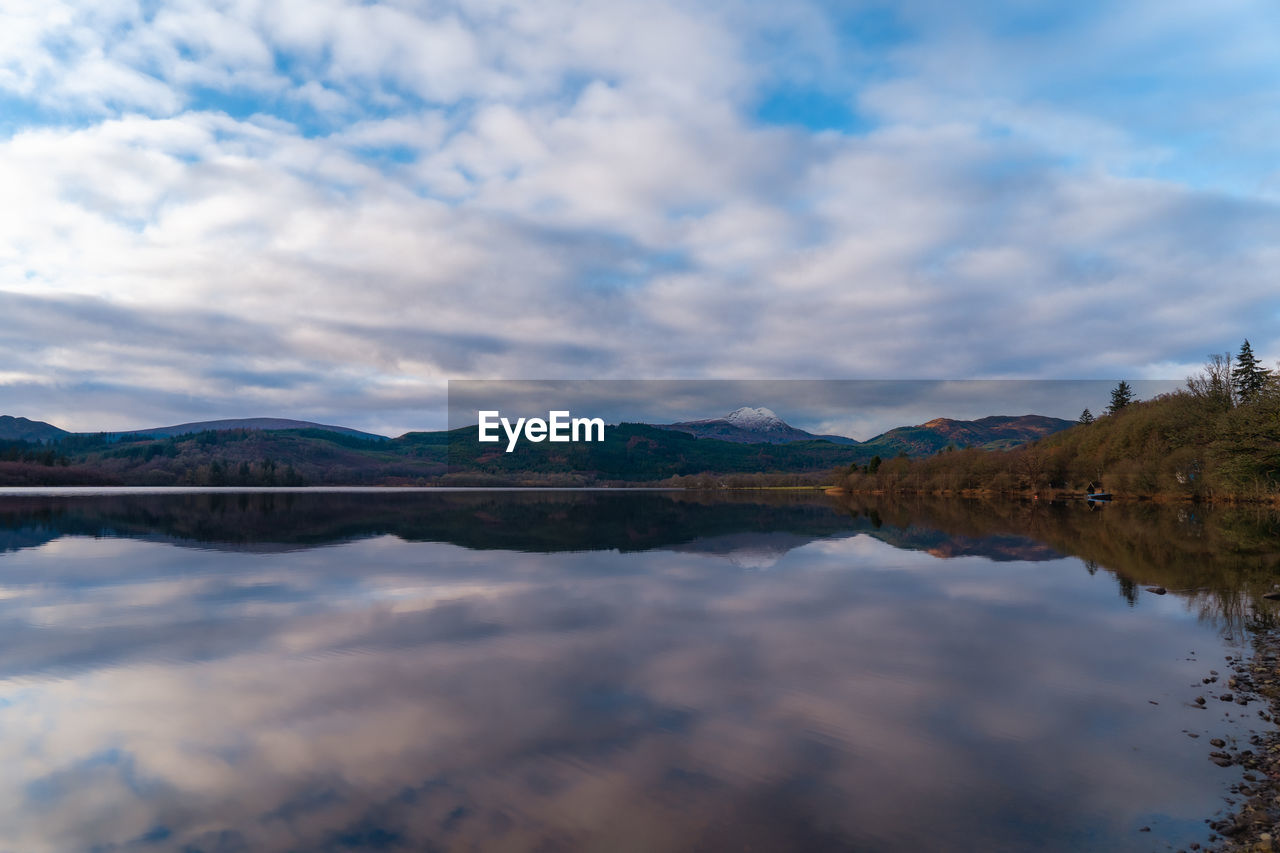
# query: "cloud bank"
327,209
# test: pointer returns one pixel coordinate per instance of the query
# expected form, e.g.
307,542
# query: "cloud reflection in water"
386,694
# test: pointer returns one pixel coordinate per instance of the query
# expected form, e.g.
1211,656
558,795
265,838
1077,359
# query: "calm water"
614,671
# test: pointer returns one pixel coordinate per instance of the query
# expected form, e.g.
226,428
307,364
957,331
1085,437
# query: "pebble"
1250,826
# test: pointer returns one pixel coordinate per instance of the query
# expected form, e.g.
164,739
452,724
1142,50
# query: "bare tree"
1214,382
1032,468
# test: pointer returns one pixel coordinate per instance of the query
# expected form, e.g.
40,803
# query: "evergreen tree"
1121,396
1086,417
1248,375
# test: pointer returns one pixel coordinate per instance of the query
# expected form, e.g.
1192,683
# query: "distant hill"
996,432
250,423
278,451
761,426
22,429
751,426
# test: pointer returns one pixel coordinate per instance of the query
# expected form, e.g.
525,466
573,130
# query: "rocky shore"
1252,681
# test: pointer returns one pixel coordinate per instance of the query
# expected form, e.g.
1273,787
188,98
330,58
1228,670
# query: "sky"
327,210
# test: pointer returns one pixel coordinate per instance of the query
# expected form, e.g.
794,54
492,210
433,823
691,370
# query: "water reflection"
608,671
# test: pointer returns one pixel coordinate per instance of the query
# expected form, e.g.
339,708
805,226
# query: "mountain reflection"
513,520
638,671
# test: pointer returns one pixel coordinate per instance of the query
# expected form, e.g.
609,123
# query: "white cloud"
394,195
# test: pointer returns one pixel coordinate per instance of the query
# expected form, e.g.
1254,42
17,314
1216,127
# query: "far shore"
1062,495
1042,495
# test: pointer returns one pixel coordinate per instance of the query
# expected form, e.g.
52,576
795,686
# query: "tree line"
1218,438
32,453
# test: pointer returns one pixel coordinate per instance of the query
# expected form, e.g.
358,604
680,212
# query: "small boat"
1094,492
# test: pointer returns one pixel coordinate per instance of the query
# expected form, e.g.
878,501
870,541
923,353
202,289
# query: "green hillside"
631,453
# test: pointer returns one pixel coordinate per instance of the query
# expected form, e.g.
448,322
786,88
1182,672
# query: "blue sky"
325,209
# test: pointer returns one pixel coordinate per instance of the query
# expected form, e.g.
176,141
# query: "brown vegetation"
1201,443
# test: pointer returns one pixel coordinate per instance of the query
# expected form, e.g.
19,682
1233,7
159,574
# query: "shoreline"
1253,824
1064,495
1047,496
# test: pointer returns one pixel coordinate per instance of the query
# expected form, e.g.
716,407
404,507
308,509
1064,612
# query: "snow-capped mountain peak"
749,418
749,425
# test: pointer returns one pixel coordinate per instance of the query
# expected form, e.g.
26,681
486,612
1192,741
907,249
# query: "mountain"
748,447
250,423
996,432
751,426
22,429
762,426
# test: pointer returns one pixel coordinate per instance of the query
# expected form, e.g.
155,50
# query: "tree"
1121,396
1086,417
874,465
1214,383
1248,377
1031,466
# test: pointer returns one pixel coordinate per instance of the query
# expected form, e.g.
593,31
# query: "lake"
617,671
